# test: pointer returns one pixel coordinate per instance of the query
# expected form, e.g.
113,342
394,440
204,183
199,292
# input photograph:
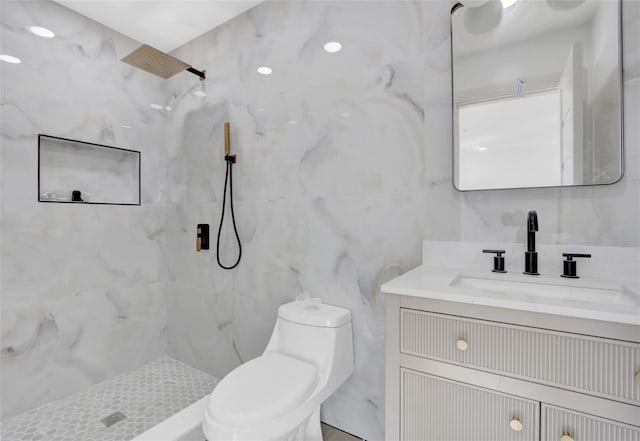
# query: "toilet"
277,396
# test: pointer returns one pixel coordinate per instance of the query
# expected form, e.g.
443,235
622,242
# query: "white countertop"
581,298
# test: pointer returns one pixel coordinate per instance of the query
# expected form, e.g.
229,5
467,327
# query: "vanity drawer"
438,409
597,366
567,425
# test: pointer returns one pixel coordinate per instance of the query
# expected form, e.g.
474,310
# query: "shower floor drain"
114,418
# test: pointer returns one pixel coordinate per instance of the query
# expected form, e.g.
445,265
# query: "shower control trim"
202,237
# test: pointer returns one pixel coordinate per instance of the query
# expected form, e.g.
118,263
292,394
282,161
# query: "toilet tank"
312,312
316,333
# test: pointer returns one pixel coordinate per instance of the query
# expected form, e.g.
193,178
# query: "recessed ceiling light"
264,70
508,3
10,59
156,106
332,46
478,148
169,108
41,32
200,93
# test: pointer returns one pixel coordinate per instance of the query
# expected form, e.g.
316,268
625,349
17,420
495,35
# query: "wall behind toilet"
339,155
329,185
344,167
83,286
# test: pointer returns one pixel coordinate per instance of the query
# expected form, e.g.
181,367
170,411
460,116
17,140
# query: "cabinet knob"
638,377
462,345
515,424
566,436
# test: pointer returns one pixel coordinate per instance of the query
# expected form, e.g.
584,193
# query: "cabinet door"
560,424
437,409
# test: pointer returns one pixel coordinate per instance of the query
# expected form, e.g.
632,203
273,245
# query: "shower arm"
201,73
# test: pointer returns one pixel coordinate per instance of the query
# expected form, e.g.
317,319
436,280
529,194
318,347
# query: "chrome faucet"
531,256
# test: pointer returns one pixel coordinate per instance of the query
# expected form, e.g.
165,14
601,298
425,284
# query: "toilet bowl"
277,396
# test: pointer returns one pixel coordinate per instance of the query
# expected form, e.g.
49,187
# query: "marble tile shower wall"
337,155
600,215
83,287
329,185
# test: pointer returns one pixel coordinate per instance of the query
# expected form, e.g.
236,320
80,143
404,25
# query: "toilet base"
308,430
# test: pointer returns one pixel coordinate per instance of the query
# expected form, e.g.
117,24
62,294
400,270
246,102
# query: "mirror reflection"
537,96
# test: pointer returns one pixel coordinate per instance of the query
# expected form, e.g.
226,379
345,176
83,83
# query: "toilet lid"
263,388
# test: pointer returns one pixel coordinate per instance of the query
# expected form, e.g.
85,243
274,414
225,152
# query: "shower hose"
228,179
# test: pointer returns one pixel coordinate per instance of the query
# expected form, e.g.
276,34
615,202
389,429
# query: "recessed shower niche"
72,171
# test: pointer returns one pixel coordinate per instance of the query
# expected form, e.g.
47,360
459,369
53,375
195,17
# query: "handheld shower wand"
230,159
227,140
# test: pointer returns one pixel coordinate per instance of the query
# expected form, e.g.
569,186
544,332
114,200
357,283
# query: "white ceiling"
163,24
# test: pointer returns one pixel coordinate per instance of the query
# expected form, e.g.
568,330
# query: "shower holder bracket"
230,158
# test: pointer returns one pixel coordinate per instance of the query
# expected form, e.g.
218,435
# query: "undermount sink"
541,287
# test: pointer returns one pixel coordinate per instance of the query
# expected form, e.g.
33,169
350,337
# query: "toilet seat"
263,388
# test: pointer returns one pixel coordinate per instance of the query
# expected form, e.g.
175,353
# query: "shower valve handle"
202,237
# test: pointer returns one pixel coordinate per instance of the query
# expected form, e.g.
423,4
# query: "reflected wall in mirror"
537,93
82,172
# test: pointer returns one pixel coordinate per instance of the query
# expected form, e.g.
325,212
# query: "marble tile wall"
83,288
329,185
344,167
337,155
601,215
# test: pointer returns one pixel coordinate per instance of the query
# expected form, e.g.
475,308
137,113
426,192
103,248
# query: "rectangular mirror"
82,172
537,93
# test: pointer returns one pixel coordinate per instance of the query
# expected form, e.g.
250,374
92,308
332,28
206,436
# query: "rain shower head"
158,63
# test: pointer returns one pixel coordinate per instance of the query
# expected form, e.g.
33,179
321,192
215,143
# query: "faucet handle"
570,265
498,260
570,256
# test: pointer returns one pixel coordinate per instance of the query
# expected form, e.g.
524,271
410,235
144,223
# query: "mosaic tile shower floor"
146,396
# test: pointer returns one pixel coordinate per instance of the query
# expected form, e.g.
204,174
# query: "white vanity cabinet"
461,372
